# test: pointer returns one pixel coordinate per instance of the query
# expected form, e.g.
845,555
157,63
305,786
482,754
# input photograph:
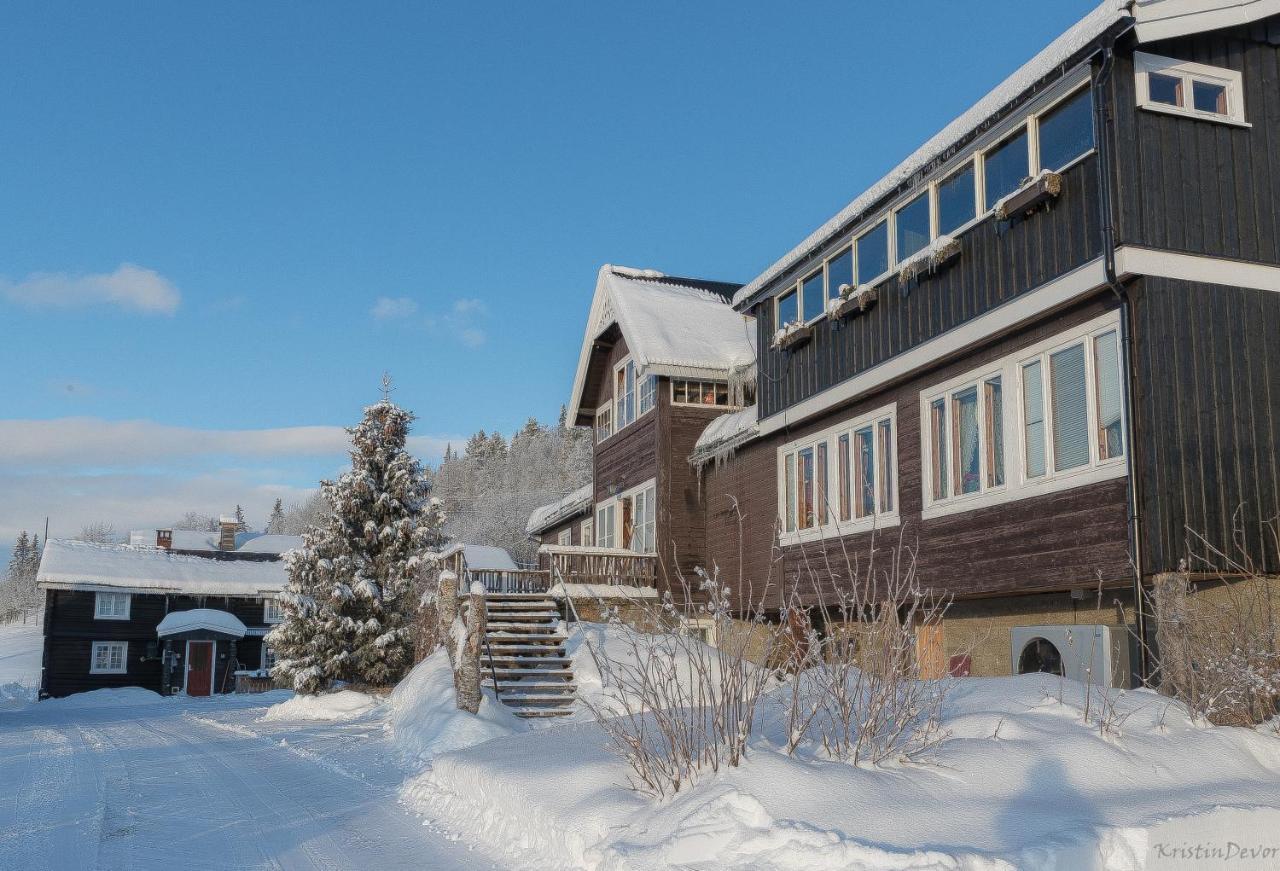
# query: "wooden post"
447,612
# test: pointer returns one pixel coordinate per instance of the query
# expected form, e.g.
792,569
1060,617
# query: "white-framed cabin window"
112,606
624,394
271,610
565,538
604,525
648,393
585,533
686,392
268,659
604,423
841,480
1165,84
1041,420
1064,132
109,657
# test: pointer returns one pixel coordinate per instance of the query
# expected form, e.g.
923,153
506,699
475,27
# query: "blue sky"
235,217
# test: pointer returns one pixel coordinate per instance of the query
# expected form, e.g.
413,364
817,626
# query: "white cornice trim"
1194,267
1163,19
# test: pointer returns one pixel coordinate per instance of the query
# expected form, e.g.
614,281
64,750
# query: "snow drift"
342,705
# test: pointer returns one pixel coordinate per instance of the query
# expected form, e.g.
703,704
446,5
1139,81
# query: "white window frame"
637,414
606,514
1188,72
124,657
975,378
585,533
702,383
604,409
565,538
834,526
649,490
646,394
100,597
270,604
1017,485
698,625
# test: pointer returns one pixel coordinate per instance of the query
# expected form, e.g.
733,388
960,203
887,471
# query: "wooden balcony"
597,565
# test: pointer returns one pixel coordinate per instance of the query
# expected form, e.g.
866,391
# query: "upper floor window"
912,222
1184,88
1046,418
624,394
957,203
840,480
685,392
1005,167
1065,132
271,611
648,393
111,606
873,253
604,423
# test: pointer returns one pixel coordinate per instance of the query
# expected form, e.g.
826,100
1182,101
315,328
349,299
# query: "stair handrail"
573,611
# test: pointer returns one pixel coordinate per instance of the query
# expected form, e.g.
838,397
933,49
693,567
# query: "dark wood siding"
1207,409
998,262
681,520
628,458
1071,538
1197,186
574,525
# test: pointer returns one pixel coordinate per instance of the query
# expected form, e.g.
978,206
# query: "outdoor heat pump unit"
1089,653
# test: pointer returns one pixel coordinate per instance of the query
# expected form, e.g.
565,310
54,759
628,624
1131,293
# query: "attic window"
1184,88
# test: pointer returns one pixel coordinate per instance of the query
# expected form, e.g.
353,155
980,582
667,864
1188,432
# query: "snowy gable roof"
481,557
672,326
79,564
546,516
1058,52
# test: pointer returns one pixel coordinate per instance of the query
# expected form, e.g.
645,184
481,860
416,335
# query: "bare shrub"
674,706
1218,633
861,689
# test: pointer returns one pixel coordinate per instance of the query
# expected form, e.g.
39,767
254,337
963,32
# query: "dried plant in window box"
928,259
1026,199
792,335
852,300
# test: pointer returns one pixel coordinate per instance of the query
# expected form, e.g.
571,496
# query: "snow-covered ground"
123,779
20,650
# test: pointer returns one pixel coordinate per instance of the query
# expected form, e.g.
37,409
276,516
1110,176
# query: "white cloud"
393,308
471,337
130,287
468,306
94,443
461,322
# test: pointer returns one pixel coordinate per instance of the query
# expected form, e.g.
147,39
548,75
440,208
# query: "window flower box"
852,300
1026,199
928,259
793,335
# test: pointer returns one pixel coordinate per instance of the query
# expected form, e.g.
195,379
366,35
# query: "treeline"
18,594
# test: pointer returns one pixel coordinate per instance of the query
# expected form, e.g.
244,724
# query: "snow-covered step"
516,648
524,656
537,628
539,713
528,665
553,616
524,675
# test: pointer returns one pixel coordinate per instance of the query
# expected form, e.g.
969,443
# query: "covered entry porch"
200,651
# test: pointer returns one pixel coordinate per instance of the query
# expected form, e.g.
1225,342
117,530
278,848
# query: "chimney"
164,539
227,532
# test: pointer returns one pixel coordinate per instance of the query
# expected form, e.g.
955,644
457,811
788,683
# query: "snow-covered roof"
79,564
725,433
546,516
176,622
672,326
270,543
1058,52
482,557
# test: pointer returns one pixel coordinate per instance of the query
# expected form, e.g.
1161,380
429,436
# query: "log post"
447,612
467,672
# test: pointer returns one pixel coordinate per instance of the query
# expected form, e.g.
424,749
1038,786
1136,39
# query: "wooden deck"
559,564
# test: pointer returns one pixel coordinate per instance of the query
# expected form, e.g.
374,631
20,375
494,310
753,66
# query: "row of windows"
636,397
117,606
1184,88
1051,139
628,522
1059,403
112,657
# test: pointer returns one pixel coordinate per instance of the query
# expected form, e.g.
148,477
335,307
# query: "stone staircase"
523,658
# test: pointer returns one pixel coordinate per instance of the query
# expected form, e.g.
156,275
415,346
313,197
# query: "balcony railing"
557,564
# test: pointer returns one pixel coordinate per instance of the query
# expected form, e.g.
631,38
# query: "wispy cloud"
388,308
130,287
463,321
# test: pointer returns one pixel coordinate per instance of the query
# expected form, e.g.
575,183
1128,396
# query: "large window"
111,606
1184,88
648,393
604,525
812,297
840,480
630,520
685,392
966,438
1005,167
1065,132
1047,418
839,272
624,394
788,308
271,611
912,221
873,253
957,205
109,657
604,423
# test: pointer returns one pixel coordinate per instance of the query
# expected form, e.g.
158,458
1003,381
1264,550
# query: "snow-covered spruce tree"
275,522
348,605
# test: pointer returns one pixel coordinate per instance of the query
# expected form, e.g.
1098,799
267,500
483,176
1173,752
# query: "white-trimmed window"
685,392
1183,88
268,661
624,394
111,606
604,423
109,657
271,610
965,437
648,393
604,525
840,480
565,538
1042,420
585,533
643,520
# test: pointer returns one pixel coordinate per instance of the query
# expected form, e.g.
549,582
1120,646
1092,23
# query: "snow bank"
327,707
424,718
1024,780
123,697
15,695
21,649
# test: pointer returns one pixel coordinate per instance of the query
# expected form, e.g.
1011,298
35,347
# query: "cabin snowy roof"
246,542
546,516
725,434
674,326
78,564
483,557
270,543
197,619
1057,53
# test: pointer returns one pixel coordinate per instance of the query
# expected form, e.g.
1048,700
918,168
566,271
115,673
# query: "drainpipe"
1102,121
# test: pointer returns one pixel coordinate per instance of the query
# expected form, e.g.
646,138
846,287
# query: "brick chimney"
164,539
227,532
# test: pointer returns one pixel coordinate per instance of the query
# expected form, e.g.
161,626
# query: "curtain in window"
1070,409
842,461
789,461
886,465
995,432
804,510
1033,417
965,406
938,427
820,485
1106,365
866,503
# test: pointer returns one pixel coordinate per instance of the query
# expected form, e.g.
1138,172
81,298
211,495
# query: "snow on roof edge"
546,516
1055,53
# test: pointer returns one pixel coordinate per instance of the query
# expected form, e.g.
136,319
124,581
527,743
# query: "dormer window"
1184,88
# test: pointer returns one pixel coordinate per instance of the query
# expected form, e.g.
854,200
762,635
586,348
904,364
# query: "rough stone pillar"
447,612
467,671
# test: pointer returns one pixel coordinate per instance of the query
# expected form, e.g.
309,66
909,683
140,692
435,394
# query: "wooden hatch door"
199,668
931,651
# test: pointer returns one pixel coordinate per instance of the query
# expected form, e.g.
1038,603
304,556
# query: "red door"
199,667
